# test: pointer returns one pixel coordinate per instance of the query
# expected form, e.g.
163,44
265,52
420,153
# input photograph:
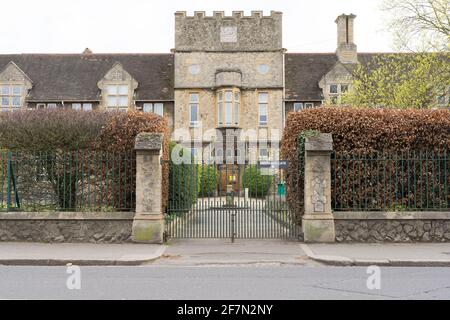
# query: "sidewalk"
55,254
382,254
221,252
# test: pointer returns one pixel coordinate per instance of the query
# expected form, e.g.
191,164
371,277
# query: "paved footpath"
43,254
382,254
223,252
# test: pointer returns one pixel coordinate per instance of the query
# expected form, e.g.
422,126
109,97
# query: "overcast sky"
140,26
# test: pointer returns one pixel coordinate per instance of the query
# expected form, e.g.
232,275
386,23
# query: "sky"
145,26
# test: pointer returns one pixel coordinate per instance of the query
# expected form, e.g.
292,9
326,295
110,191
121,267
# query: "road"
258,281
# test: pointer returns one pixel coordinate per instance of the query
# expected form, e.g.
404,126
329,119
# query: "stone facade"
238,53
66,227
392,227
228,33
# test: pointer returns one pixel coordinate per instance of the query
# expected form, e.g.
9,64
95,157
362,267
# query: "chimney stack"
346,48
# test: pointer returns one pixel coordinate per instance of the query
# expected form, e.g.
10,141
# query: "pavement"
45,254
381,254
220,252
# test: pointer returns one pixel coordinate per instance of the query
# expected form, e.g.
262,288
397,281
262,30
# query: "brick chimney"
346,48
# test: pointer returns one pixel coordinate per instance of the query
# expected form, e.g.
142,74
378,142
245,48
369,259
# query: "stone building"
226,74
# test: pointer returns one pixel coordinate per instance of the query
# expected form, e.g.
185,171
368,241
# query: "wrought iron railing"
401,181
82,180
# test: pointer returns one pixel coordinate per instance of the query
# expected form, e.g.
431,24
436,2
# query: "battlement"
219,32
221,15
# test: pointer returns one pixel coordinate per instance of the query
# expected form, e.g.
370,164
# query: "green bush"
258,184
183,182
208,176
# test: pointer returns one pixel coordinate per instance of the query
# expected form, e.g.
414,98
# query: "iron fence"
82,180
379,181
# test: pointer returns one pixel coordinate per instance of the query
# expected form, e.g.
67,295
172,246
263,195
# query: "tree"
401,80
419,25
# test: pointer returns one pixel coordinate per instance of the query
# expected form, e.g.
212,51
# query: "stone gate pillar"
148,223
318,222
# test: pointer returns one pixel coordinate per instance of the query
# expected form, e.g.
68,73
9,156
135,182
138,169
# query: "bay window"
228,103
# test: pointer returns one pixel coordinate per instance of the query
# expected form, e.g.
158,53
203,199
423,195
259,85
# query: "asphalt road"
219,282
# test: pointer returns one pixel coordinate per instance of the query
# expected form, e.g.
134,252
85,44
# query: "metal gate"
244,201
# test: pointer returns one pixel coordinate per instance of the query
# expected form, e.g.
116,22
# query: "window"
344,88
228,107
309,105
219,108
334,100
157,108
334,88
193,109
117,97
263,153
263,99
82,106
51,105
237,102
40,106
298,106
11,97
228,104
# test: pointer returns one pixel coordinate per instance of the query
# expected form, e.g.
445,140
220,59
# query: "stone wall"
207,64
392,226
66,227
228,33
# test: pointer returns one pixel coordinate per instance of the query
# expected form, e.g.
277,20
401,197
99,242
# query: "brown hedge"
363,131
119,133
65,131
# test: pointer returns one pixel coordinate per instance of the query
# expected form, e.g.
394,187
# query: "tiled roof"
75,76
304,71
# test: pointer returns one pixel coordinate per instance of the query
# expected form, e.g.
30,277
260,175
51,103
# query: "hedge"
208,177
258,184
183,182
64,131
362,132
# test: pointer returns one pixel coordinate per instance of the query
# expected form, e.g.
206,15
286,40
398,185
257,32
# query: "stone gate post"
318,222
148,223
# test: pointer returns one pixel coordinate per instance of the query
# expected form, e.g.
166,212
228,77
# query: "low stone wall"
106,227
427,226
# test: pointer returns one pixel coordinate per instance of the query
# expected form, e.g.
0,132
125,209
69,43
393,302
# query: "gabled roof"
75,76
304,71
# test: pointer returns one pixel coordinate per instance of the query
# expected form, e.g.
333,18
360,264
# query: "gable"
117,74
11,72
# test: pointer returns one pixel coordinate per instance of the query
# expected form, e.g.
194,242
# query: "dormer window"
118,97
118,88
11,97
